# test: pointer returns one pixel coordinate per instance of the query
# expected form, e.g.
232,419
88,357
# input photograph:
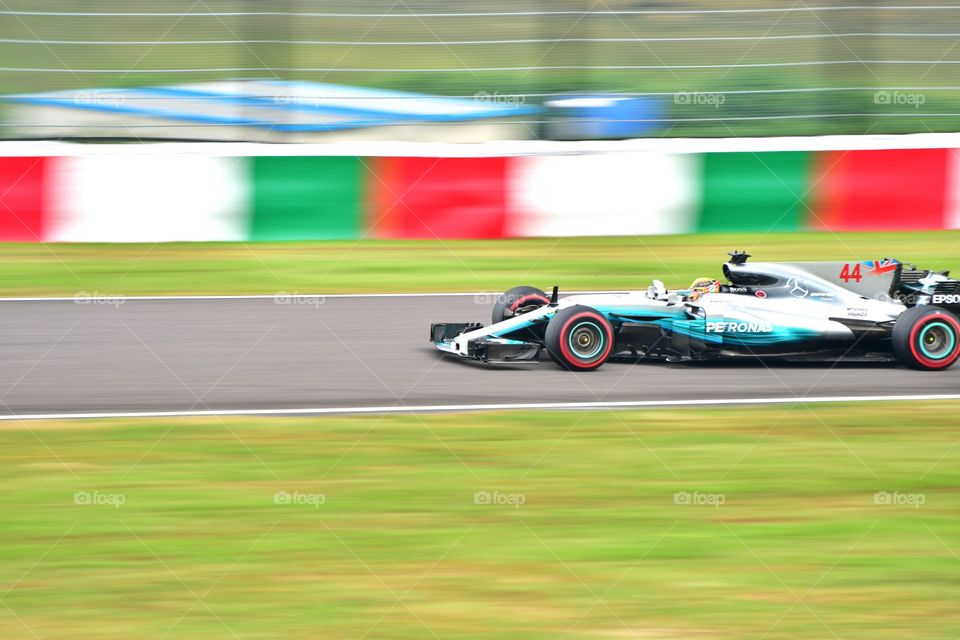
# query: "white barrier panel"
638,193
116,198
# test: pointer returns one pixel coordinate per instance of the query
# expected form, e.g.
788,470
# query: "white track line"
86,297
494,148
434,408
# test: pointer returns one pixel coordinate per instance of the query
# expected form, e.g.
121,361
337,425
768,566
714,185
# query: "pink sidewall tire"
926,338
579,338
518,300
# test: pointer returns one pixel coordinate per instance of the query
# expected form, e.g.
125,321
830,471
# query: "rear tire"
518,301
926,338
579,338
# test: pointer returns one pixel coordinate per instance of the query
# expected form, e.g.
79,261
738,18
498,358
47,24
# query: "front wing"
447,338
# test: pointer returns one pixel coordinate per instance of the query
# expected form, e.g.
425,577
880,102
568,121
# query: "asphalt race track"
262,354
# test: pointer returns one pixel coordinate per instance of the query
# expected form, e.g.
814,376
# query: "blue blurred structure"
603,117
261,110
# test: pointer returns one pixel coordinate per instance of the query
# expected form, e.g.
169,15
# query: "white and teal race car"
872,310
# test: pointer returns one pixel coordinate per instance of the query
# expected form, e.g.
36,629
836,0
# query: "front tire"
926,338
579,338
518,301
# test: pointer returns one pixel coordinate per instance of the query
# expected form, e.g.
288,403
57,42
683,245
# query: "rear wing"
919,286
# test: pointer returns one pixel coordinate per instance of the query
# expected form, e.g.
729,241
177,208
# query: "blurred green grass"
450,265
399,549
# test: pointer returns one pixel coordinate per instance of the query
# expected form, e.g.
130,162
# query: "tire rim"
585,340
937,340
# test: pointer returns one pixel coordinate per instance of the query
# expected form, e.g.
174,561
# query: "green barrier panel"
755,191
306,198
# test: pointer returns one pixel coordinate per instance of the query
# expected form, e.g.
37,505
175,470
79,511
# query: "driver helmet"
701,286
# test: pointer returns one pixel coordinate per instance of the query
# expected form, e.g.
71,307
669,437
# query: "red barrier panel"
22,199
436,197
880,190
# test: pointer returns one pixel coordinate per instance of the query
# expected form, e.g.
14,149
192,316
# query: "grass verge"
733,523
454,265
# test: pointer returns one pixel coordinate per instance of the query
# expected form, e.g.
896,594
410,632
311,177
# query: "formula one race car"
869,311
